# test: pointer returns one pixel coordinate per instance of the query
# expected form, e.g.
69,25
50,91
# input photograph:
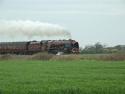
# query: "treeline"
99,48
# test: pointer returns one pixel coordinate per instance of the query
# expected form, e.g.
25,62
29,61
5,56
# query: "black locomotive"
31,47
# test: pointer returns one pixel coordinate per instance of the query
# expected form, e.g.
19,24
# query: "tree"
99,47
93,49
89,49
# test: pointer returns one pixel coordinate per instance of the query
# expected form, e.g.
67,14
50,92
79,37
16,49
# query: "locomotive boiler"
31,47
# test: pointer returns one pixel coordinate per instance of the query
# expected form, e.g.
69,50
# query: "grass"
62,77
46,56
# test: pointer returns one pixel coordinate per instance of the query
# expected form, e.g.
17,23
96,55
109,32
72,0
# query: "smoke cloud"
32,29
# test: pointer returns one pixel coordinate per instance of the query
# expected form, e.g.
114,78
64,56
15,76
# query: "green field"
62,77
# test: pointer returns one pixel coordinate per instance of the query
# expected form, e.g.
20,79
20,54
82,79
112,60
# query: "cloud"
30,29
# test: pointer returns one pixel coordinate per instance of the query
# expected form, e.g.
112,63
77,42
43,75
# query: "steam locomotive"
31,47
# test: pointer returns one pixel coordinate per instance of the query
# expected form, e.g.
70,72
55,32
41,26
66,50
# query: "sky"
88,21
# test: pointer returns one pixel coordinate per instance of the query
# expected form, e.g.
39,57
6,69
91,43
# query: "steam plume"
31,29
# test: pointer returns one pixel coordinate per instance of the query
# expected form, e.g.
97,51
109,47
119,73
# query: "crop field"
62,77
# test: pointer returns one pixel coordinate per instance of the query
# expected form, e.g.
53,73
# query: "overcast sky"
89,21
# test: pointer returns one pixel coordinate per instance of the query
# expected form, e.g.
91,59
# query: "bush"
42,56
114,57
5,57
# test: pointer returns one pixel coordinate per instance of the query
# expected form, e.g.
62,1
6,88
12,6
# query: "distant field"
62,77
